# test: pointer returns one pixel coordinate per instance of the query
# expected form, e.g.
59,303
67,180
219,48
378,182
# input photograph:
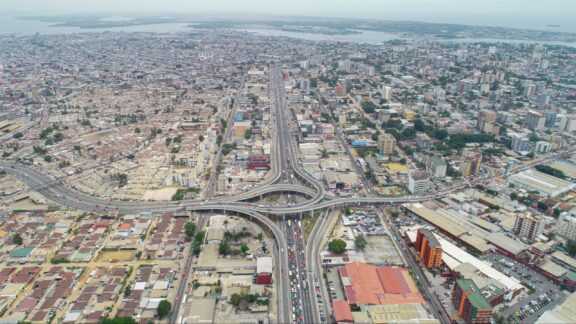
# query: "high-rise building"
566,226
542,147
471,305
470,161
387,93
535,120
386,143
528,226
484,117
520,143
340,90
418,182
429,248
436,167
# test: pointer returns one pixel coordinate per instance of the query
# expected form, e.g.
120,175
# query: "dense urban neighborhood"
223,176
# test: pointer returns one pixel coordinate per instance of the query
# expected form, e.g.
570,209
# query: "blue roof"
21,252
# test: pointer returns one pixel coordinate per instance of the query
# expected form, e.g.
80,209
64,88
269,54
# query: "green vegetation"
59,260
368,106
551,171
17,135
459,141
118,320
248,134
163,309
189,230
17,239
122,179
571,248
337,246
360,242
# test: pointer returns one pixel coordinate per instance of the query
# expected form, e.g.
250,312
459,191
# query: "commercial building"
429,248
520,143
386,143
342,313
340,90
544,184
470,162
535,120
264,271
259,162
365,284
528,226
418,182
436,167
566,226
470,303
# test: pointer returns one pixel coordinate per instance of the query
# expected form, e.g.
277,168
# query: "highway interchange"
286,176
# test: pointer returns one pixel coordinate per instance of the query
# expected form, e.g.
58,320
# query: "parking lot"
526,308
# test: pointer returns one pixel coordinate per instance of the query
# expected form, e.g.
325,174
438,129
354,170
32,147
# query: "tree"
163,308
251,298
137,130
17,135
189,229
130,156
201,138
571,247
513,196
17,239
248,134
337,246
118,320
360,242
441,134
244,248
223,248
235,299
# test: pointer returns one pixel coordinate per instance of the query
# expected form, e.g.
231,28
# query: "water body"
12,25
373,37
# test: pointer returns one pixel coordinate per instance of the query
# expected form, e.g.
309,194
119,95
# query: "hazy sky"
483,12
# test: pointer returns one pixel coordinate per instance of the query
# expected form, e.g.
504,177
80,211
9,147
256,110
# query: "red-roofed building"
365,284
342,313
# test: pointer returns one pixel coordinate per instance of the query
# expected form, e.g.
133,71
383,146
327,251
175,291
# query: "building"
423,140
386,143
418,182
429,248
470,162
528,226
264,271
365,284
542,147
259,162
566,226
471,305
340,90
387,93
436,167
342,313
535,120
542,183
520,143
485,117
563,314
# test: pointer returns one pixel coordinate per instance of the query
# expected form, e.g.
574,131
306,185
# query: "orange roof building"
342,312
365,284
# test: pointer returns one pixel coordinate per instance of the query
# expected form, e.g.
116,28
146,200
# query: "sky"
478,12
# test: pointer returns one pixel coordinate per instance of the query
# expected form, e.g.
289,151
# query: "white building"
528,226
418,182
